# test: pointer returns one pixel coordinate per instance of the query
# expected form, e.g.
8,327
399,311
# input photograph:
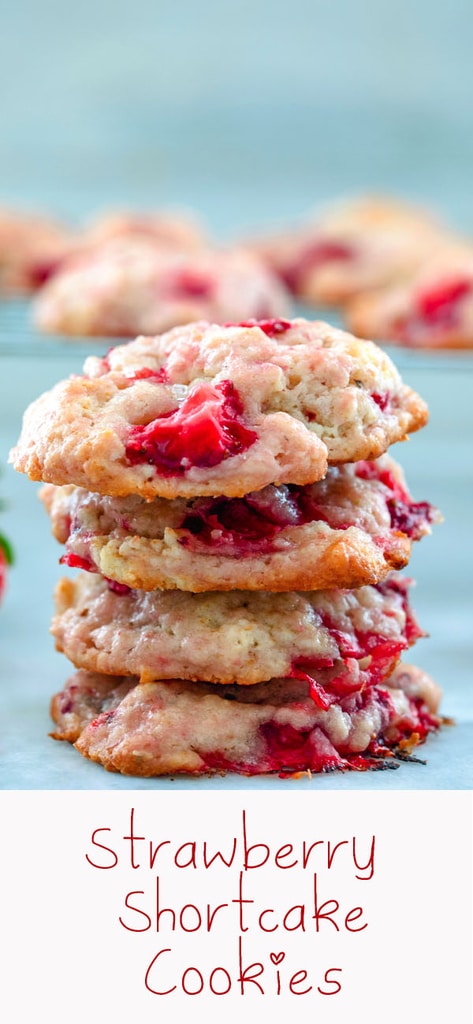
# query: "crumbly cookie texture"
177,727
365,242
347,530
136,285
434,309
211,410
341,638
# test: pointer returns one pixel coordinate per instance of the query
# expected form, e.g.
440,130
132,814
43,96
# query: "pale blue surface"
249,109
251,113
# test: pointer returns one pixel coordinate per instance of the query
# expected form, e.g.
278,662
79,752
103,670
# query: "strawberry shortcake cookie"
342,639
433,310
151,729
352,246
174,228
136,284
31,245
208,410
347,530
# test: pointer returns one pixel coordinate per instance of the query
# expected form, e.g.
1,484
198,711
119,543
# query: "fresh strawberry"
6,558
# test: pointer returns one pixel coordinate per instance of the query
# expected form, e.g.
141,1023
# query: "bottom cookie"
177,727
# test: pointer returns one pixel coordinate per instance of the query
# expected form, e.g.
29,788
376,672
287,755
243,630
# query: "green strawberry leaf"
7,549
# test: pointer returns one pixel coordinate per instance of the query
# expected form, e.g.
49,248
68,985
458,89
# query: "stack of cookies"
226,493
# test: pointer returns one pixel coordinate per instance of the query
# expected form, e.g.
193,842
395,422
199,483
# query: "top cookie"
207,409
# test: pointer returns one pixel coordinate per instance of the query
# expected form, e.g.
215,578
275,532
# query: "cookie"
177,727
30,247
347,530
211,410
131,286
179,229
342,638
433,310
351,246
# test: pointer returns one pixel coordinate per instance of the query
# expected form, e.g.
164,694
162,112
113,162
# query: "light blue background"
251,113
250,110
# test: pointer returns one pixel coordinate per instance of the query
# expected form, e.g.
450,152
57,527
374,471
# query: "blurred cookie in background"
433,309
131,285
179,229
31,244
351,246
35,246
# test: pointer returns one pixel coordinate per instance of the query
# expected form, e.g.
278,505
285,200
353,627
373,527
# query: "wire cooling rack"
19,337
